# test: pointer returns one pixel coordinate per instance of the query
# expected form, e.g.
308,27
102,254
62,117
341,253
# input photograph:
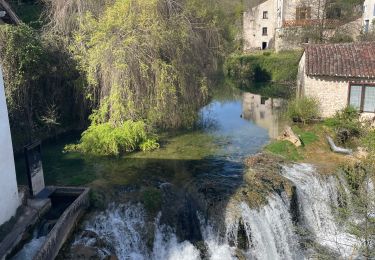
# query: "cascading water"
269,231
317,197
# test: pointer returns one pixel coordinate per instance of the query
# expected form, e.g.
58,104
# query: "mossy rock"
152,200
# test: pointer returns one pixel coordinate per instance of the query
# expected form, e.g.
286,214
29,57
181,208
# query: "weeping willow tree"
148,60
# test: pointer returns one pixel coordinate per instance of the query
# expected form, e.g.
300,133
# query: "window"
362,97
264,31
265,15
303,13
367,25
264,45
373,11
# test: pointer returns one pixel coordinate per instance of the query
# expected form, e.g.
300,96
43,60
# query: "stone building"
338,75
9,200
368,15
276,24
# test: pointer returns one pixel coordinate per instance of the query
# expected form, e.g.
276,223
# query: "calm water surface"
233,127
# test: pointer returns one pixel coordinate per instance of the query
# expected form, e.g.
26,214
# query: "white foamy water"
269,230
317,197
30,249
124,228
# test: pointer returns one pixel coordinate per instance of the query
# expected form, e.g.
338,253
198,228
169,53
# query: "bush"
106,139
303,109
346,123
263,67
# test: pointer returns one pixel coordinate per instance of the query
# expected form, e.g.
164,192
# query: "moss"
261,179
152,200
285,149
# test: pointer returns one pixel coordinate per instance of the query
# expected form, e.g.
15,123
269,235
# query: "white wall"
369,12
253,23
9,200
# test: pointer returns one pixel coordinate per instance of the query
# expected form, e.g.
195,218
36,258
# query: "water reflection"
263,111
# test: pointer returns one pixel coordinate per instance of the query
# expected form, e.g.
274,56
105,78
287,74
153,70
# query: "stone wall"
253,23
9,200
331,92
369,12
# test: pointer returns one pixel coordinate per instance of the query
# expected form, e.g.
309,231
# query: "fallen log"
338,149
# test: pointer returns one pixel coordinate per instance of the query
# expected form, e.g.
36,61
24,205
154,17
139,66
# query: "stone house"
268,23
338,75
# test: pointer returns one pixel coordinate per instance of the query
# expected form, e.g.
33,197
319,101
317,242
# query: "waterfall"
267,232
123,229
317,199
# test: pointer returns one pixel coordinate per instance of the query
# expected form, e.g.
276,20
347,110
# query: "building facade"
339,75
368,15
9,200
278,24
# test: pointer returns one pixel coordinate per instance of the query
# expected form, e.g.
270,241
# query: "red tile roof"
355,60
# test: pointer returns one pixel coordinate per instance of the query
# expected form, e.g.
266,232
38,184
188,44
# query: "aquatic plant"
107,139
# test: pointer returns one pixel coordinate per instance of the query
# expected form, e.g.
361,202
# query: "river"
178,202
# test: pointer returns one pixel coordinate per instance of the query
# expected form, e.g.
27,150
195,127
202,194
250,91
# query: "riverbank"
314,150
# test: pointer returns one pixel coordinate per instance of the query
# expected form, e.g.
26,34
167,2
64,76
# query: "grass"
285,149
315,149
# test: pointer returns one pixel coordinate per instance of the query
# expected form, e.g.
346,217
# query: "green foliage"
148,60
306,137
303,109
279,67
285,149
30,12
106,139
346,123
361,221
40,84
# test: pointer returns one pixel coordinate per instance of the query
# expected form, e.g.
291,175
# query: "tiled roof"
355,60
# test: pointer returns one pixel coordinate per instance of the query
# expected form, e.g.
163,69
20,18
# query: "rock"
289,135
361,153
83,252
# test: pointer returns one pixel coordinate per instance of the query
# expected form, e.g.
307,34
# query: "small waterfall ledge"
274,231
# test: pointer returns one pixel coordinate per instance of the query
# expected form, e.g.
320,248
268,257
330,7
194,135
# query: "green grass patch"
285,149
306,137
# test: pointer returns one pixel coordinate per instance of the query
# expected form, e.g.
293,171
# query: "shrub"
303,109
346,123
106,139
279,67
